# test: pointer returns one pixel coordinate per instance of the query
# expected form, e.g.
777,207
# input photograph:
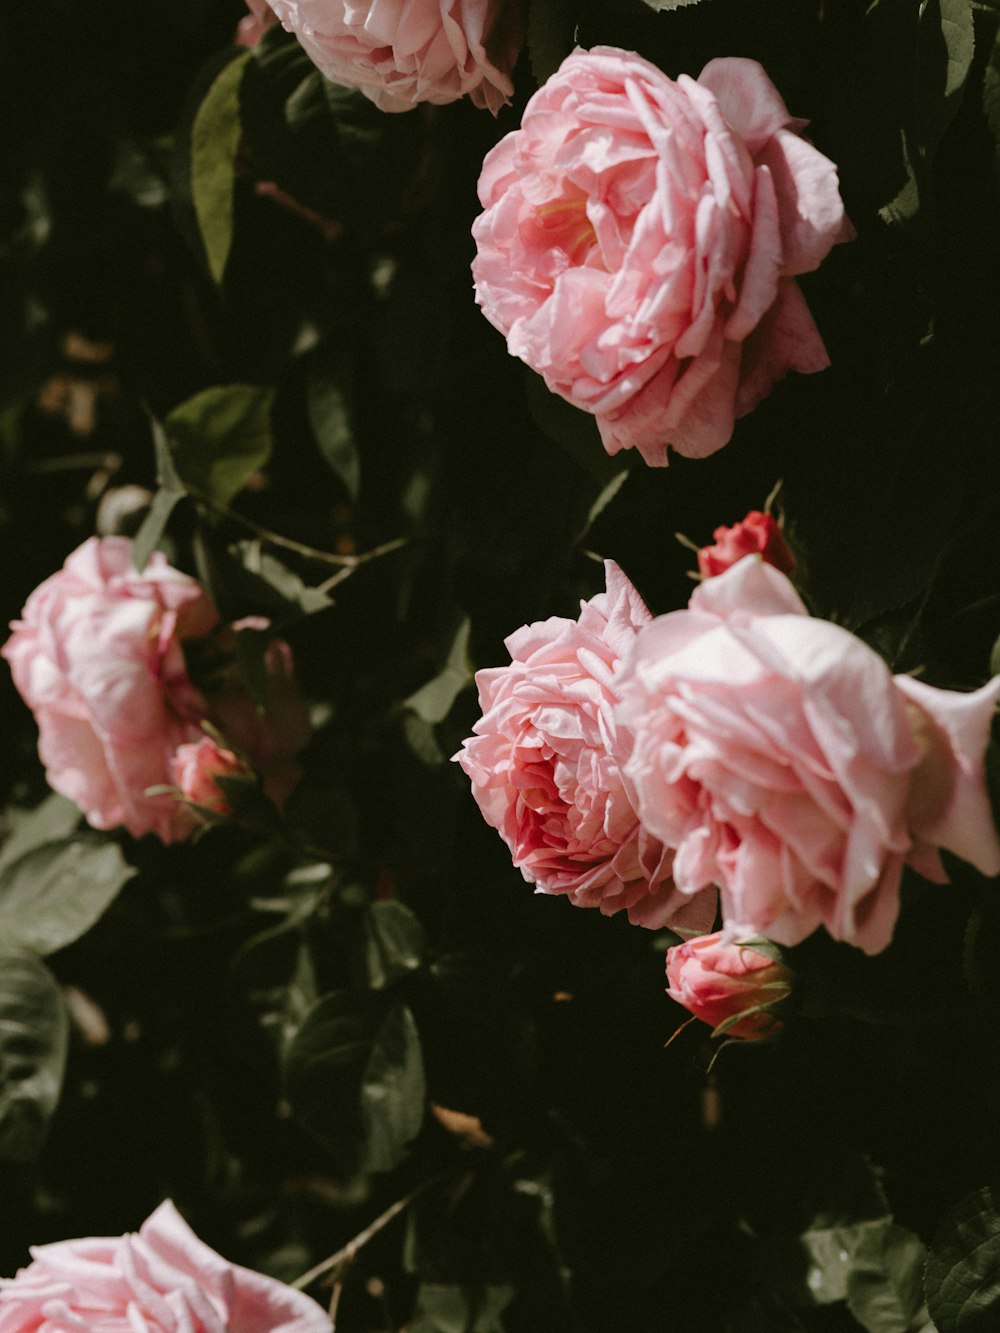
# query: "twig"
346,1254
344,562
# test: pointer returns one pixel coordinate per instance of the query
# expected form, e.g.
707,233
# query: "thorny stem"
347,1253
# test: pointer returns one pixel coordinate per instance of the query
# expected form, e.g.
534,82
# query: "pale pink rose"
757,534
716,979
641,241
161,1280
780,759
401,52
544,765
97,657
197,765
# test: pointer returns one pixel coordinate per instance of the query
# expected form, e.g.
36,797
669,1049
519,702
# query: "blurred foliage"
246,292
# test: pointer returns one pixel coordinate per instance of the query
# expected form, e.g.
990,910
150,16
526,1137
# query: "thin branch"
344,562
346,1254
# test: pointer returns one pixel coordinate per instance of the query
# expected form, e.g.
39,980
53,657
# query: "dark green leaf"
991,92
393,1091
394,943
171,490
292,590
324,1067
574,429
33,1038
433,701
962,1277
52,895
330,418
220,437
215,141
453,1309
884,1291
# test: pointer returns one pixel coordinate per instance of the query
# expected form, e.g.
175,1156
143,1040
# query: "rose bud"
729,985
757,534
196,767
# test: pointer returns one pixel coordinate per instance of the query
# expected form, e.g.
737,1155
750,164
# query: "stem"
346,1253
344,562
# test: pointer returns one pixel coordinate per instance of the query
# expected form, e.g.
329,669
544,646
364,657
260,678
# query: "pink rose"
252,28
544,765
641,241
780,759
401,54
718,979
757,534
197,765
163,1280
97,658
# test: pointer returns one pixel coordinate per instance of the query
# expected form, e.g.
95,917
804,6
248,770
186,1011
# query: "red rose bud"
757,534
731,986
196,767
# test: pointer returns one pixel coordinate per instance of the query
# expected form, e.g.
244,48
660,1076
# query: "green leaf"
962,1277
171,490
433,701
56,817
52,895
945,47
293,591
991,92
33,1040
607,494
215,141
453,1309
394,943
884,1290
393,1091
220,437
330,417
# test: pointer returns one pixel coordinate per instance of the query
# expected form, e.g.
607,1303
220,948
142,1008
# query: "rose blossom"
544,765
783,762
253,26
162,1280
97,658
400,54
197,765
641,241
716,979
757,534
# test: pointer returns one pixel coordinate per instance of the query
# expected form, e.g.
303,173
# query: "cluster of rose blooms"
101,656
740,755
641,237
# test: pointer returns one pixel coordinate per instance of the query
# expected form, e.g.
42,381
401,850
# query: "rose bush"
783,762
97,657
757,534
398,55
544,765
719,979
640,244
161,1280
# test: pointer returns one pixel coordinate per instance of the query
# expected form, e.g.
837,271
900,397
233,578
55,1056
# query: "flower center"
567,226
